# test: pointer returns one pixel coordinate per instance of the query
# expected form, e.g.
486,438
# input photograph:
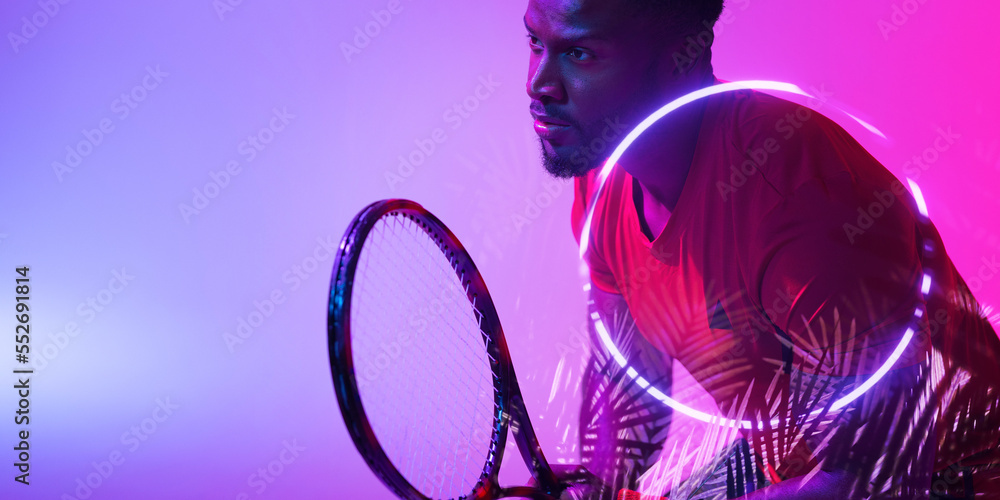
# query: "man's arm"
883,446
598,438
622,428
853,297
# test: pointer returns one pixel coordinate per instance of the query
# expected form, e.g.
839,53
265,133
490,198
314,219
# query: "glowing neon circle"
602,331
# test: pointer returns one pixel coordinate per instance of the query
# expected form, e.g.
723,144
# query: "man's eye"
579,54
533,43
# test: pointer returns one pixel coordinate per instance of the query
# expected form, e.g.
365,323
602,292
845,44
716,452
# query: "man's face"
593,75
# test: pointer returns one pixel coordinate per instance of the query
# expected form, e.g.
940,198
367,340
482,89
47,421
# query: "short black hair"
687,16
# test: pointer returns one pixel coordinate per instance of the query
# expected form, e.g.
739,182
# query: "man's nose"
544,79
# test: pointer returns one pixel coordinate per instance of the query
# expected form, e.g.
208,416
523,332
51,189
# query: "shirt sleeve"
838,271
839,274
600,273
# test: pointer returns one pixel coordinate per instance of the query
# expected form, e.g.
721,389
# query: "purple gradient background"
162,336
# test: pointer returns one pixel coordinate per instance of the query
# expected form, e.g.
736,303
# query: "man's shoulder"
749,109
786,144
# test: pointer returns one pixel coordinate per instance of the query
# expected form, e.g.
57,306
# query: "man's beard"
599,138
561,167
592,151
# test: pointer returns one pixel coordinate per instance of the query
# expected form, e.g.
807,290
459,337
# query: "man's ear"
690,52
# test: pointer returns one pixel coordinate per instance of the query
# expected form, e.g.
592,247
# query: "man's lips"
549,128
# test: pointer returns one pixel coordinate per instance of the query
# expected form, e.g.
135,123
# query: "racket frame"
508,400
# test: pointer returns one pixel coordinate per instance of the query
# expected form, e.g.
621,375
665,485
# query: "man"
757,244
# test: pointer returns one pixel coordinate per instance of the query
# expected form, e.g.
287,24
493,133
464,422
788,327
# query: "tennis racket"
420,365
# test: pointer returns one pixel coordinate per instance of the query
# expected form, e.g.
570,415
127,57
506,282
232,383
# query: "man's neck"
661,159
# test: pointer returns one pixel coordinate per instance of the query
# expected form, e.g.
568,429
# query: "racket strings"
472,353
439,275
474,387
424,374
385,251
